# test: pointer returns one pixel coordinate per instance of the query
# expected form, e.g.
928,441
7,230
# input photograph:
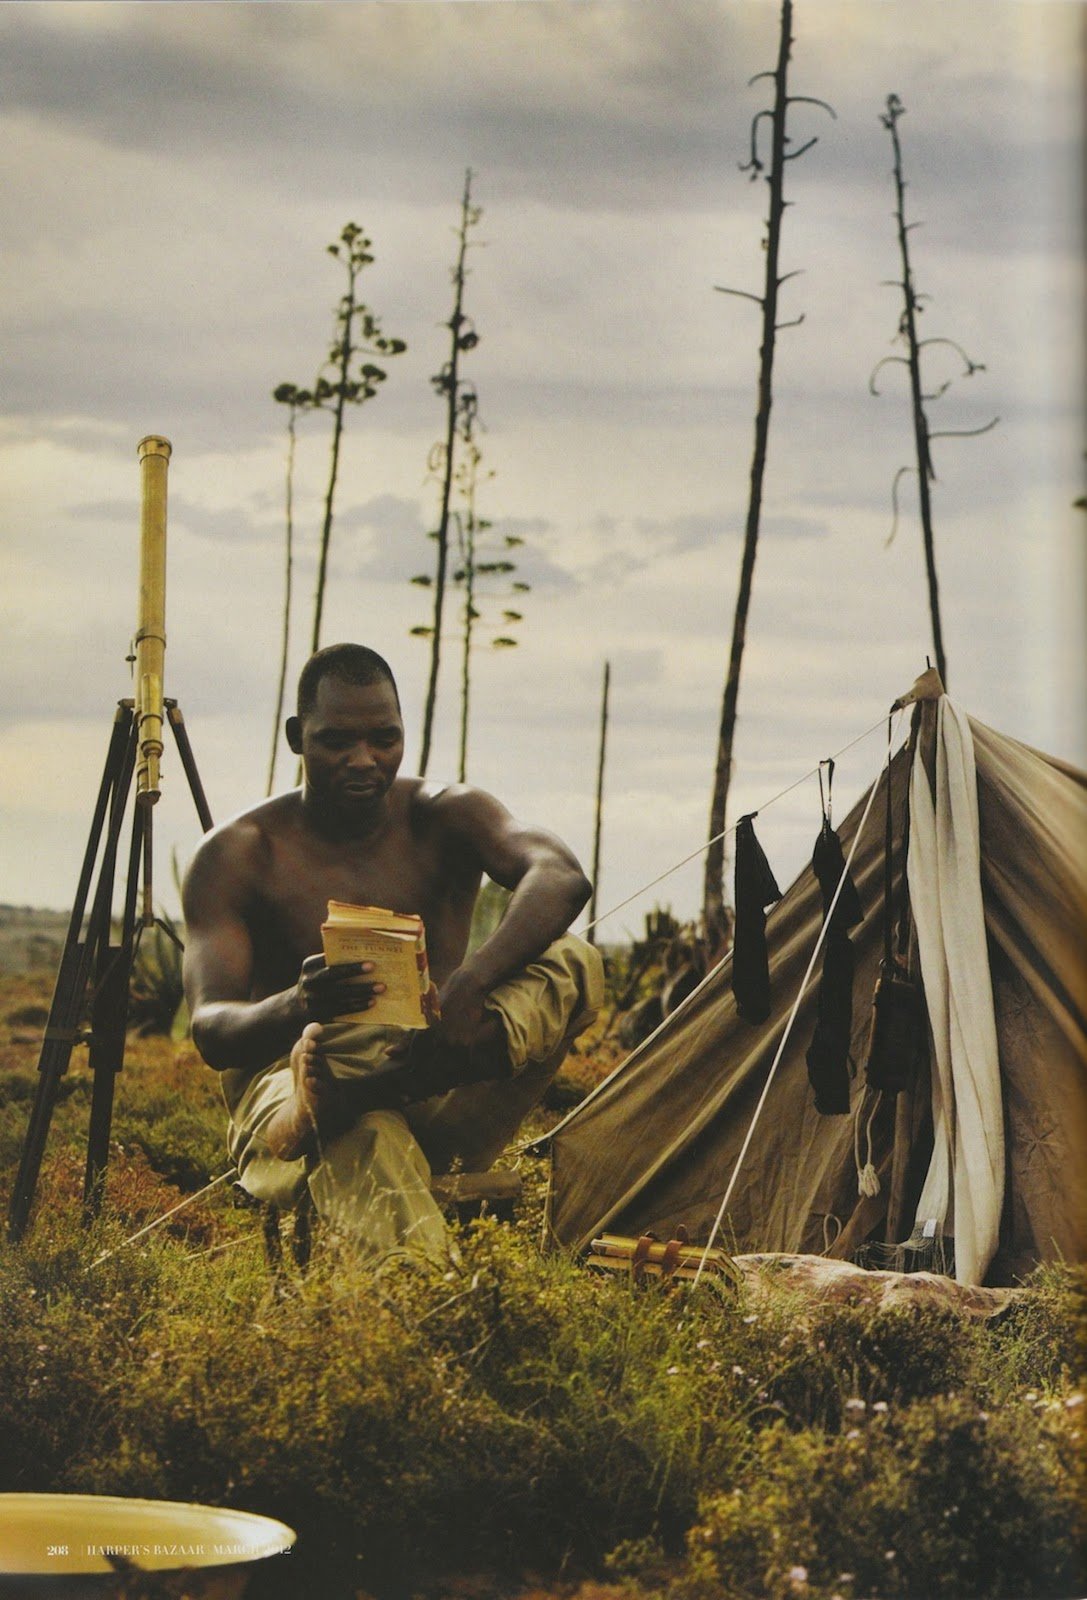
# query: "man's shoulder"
432,801
246,838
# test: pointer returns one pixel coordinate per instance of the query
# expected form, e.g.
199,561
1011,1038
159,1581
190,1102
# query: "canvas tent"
656,1145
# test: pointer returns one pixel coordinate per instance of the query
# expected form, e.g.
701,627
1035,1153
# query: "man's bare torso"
412,862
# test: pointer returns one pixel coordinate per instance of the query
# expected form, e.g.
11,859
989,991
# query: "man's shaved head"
351,663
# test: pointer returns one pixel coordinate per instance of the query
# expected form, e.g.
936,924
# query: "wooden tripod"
97,961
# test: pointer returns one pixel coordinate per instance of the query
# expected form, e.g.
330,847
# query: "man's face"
351,744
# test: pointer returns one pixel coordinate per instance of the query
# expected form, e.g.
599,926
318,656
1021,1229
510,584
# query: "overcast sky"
172,174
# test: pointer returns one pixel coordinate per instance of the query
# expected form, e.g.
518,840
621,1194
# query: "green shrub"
186,1145
516,1413
1040,1339
835,1353
938,1499
156,998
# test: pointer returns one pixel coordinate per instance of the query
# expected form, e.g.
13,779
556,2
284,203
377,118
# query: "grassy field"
511,1426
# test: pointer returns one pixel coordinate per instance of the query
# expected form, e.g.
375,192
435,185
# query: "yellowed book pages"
396,944
374,917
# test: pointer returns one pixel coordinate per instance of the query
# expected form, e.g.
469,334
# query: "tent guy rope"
231,1172
815,771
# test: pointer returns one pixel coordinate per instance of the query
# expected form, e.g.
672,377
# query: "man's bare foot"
292,1130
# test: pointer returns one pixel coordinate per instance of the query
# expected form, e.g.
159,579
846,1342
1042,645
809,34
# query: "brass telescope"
150,640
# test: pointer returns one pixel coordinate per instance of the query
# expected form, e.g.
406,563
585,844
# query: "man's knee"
554,999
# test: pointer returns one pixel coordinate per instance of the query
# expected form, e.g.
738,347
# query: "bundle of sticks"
648,1257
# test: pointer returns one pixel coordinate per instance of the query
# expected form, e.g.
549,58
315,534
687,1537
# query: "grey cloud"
102,511
635,669
231,523
534,564
646,541
386,516
673,534
239,81
614,106
397,546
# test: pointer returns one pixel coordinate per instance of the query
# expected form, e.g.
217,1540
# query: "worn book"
396,944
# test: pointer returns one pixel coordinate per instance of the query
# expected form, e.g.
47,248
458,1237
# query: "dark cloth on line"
756,890
828,1053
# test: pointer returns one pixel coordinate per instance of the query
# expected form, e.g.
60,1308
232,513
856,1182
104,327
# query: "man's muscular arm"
549,889
230,1027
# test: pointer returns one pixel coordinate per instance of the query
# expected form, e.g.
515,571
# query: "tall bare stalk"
358,332
287,395
714,917
467,529
907,330
475,563
599,810
462,337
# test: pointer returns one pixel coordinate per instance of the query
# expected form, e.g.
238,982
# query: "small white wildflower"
983,1416
1073,1401
1031,1394
856,1405
854,1433
737,1372
703,1344
798,1577
672,1371
749,1320
880,1406
847,1577
889,1555
41,1347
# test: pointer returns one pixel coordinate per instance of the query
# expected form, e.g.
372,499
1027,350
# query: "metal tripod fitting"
150,641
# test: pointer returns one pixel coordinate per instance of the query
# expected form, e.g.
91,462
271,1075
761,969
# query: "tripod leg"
109,1023
184,748
70,989
114,979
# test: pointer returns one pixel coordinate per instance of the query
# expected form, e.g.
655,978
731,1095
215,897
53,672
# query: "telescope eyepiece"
153,445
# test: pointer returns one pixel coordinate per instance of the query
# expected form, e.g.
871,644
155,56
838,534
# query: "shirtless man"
264,1003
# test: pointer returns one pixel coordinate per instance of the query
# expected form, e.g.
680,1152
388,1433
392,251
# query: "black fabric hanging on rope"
756,890
828,1053
898,1041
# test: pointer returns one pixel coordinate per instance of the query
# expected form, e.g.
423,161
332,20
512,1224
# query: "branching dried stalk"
714,918
913,305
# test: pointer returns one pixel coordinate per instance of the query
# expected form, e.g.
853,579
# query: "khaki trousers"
372,1182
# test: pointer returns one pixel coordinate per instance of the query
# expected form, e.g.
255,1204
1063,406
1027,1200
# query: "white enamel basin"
55,1545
